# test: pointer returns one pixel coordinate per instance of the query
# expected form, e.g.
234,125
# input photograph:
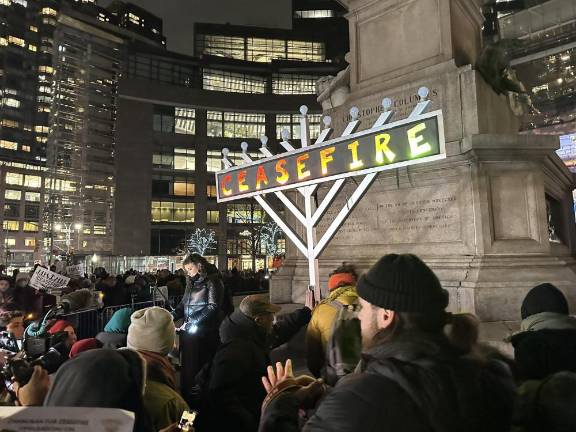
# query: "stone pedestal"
479,218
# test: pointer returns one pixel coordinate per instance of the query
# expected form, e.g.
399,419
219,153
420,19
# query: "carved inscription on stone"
419,215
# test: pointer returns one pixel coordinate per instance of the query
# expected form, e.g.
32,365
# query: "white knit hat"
151,329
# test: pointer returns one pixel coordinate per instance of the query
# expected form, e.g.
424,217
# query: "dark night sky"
180,15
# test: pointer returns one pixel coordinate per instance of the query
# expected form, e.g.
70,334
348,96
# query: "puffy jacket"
163,404
320,327
416,383
201,305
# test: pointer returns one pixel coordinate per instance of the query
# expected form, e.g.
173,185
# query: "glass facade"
284,84
171,119
224,81
170,211
291,122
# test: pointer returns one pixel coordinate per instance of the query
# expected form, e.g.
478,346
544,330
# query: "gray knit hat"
403,283
151,329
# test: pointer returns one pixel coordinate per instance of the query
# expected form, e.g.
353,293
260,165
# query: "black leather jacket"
201,305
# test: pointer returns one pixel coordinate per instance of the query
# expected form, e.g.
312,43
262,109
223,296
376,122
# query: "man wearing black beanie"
412,376
546,343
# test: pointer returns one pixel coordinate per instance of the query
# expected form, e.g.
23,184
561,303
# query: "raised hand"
281,374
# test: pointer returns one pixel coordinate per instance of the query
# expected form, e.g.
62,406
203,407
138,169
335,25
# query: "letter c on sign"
225,181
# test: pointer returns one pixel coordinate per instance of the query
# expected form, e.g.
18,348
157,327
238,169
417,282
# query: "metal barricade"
86,323
107,312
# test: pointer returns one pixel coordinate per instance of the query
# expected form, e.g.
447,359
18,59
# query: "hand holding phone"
187,421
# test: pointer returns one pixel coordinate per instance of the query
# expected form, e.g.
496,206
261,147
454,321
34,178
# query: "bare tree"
270,232
201,241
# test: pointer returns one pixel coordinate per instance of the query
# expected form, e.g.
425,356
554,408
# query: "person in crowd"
33,392
547,341
201,309
6,292
103,378
84,345
412,377
152,334
11,332
64,326
113,290
232,385
26,297
342,292
116,330
546,405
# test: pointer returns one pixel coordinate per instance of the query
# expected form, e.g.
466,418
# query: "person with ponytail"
342,292
420,368
201,309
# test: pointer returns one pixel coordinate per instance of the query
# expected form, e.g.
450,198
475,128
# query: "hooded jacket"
103,378
412,384
320,327
116,330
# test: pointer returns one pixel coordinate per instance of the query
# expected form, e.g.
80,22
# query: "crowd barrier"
89,323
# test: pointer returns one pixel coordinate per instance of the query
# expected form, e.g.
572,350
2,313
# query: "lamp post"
67,228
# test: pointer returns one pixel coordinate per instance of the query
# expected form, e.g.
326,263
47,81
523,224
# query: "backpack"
344,345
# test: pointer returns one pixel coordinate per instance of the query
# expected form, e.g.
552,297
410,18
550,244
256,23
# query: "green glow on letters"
416,148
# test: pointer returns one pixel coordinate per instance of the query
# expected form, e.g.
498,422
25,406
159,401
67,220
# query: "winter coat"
546,345
102,378
320,328
201,305
234,393
415,383
112,340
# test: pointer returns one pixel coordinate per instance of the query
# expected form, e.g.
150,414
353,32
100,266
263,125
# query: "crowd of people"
382,351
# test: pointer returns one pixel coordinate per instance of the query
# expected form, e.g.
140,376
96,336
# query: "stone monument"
483,218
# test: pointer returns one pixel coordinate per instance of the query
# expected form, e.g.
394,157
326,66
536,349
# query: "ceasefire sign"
402,143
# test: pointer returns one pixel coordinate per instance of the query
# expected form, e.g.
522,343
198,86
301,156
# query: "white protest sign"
160,294
43,279
75,271
52,419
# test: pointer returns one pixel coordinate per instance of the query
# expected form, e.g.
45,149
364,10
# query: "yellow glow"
301,166
242,187
381,143
325,157
261,177
225,180
281,169
416,148
356,163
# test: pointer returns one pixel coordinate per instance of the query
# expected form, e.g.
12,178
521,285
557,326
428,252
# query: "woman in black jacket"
202,311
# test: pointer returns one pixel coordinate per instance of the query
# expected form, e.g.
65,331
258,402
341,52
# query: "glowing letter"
225,180
280,169
261,177
418,150
381,142
241,178
301,167
353,146
325,157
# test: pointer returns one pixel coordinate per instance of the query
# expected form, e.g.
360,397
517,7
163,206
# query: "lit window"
244,213
9,123
184,121
45,89
32,48
10,145
294,84
30,242
184,159
184,189
291,122
11,102
306,51
168,211
14,178
99,230
213,161
325,13
5,2
46,69
10,241
10,225
48,11
221,46
31,196
211,191
213,216
217,80
11,194
16,41
20,2
235,125
33,181
30,226
162,161
26,148
34,29
41,129
3,40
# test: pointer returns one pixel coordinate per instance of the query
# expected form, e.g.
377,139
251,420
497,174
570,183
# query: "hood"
119,322
346,295
239,326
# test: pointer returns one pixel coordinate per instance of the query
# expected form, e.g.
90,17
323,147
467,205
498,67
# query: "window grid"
169,211
294,84
218,80
235,125
292,123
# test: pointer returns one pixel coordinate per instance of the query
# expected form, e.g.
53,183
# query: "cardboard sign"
43,279
406,142
35,419
75,271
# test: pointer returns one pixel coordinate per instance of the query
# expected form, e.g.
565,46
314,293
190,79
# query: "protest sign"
44,279
51,419
75,271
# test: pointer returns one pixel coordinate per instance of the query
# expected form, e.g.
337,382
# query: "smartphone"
187,421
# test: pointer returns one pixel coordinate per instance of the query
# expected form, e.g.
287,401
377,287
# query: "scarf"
159,368
548,320
340,280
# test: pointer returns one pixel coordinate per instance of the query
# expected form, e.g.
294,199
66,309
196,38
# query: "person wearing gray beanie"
412,375
152,334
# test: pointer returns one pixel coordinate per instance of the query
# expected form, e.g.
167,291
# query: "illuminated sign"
402,143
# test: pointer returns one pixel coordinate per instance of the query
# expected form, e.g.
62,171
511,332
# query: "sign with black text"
402,143
44,279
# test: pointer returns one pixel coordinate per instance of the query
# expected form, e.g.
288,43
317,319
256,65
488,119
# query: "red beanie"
341,279
59,326
84,345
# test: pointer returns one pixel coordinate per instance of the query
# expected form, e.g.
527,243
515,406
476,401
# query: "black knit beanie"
403,283
544,298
